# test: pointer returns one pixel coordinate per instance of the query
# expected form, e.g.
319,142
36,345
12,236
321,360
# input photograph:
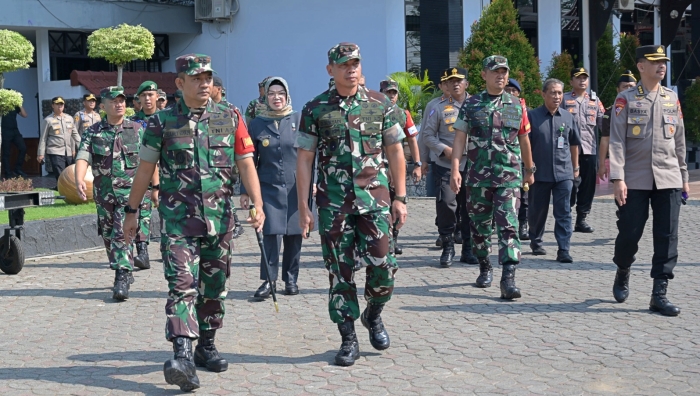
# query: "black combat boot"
206,355
438,242
378,336
350,348
448,250
523,231
508,289
659,303
485,273
621,287
581,225
141,260
467,256
397,248
180,370
120,291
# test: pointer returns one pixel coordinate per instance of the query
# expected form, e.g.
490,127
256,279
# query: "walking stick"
266,264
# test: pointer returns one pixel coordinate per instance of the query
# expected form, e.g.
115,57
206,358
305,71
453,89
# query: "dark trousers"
666,205
539,195
59,163
8,139
430,186
290,256
583,192
523,209
446,203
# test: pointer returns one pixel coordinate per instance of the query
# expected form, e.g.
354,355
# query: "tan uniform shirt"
588,113
58,135
439,131
647,140
83,121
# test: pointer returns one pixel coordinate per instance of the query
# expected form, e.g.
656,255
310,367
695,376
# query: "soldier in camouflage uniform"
148,96
353,128
260,101
217,95
496,126
195,143
111,147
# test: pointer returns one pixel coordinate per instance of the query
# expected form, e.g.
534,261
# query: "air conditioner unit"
212,10
624,5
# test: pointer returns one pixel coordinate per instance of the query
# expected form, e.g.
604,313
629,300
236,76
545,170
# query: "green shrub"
691,112
608,68
560,68
414,93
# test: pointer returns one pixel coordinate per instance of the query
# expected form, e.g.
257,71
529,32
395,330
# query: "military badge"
671,130
620,104
636,130
266,142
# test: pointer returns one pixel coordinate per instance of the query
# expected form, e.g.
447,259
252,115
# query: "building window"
68,51
413,36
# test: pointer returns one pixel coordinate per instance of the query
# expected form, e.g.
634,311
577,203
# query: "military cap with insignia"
579,71
147,86
652,53
193,64
454,72
627,76
343,52
495,62
388,85
112,92
89,97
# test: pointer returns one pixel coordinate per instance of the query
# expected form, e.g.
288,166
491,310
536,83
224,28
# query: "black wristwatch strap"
129,209
156,186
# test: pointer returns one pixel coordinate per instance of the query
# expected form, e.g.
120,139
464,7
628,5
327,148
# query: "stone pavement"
60,332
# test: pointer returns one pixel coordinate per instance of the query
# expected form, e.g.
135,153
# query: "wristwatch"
129,209
531,170
401,198
156,186
417,164
576,169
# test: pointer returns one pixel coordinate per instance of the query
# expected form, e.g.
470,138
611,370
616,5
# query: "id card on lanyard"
560,139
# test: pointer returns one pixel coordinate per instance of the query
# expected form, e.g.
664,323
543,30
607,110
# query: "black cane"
266,264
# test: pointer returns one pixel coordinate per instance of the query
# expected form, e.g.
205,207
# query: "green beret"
147,86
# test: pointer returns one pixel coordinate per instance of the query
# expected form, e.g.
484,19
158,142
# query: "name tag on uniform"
179,132
221,124
560,142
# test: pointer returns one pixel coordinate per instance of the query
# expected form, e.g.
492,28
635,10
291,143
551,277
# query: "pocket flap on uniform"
670,119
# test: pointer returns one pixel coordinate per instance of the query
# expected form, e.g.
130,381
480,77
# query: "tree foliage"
414,92
626,49
560,68
9,100
497,33
16,52
691,112
121,44
608,68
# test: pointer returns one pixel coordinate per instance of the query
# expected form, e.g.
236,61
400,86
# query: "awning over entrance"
96,81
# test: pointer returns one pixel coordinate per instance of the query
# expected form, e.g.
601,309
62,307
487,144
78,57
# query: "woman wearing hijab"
274,131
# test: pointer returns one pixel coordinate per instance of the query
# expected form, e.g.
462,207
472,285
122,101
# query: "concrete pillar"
586,33
441,35
548,31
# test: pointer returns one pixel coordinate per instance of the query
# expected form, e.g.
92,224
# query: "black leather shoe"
563,256
485,273
372,321
448,251
264,291
621,287
180,370
350,348
206,355
538,250
659,303
141,260
523,231
291,289
467,256
120,292
582,225
508,289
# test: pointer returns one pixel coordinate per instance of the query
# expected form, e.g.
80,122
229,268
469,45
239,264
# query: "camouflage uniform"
195,151
493,170
353,190
146,208
112,151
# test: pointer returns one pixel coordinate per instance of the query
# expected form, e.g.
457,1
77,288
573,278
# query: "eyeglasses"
273,94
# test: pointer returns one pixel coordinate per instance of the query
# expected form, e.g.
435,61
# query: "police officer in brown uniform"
59,138
588,113
647,165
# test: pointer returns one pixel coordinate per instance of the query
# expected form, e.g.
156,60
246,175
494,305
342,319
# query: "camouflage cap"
147,86
112,92
495,62
136,98
388,85
162,95
343,52
193,64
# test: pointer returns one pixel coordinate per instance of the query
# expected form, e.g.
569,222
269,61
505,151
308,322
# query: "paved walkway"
60,332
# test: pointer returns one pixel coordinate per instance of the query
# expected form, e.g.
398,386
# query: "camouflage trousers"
368,234
486,205
145,211
196,269
110,226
